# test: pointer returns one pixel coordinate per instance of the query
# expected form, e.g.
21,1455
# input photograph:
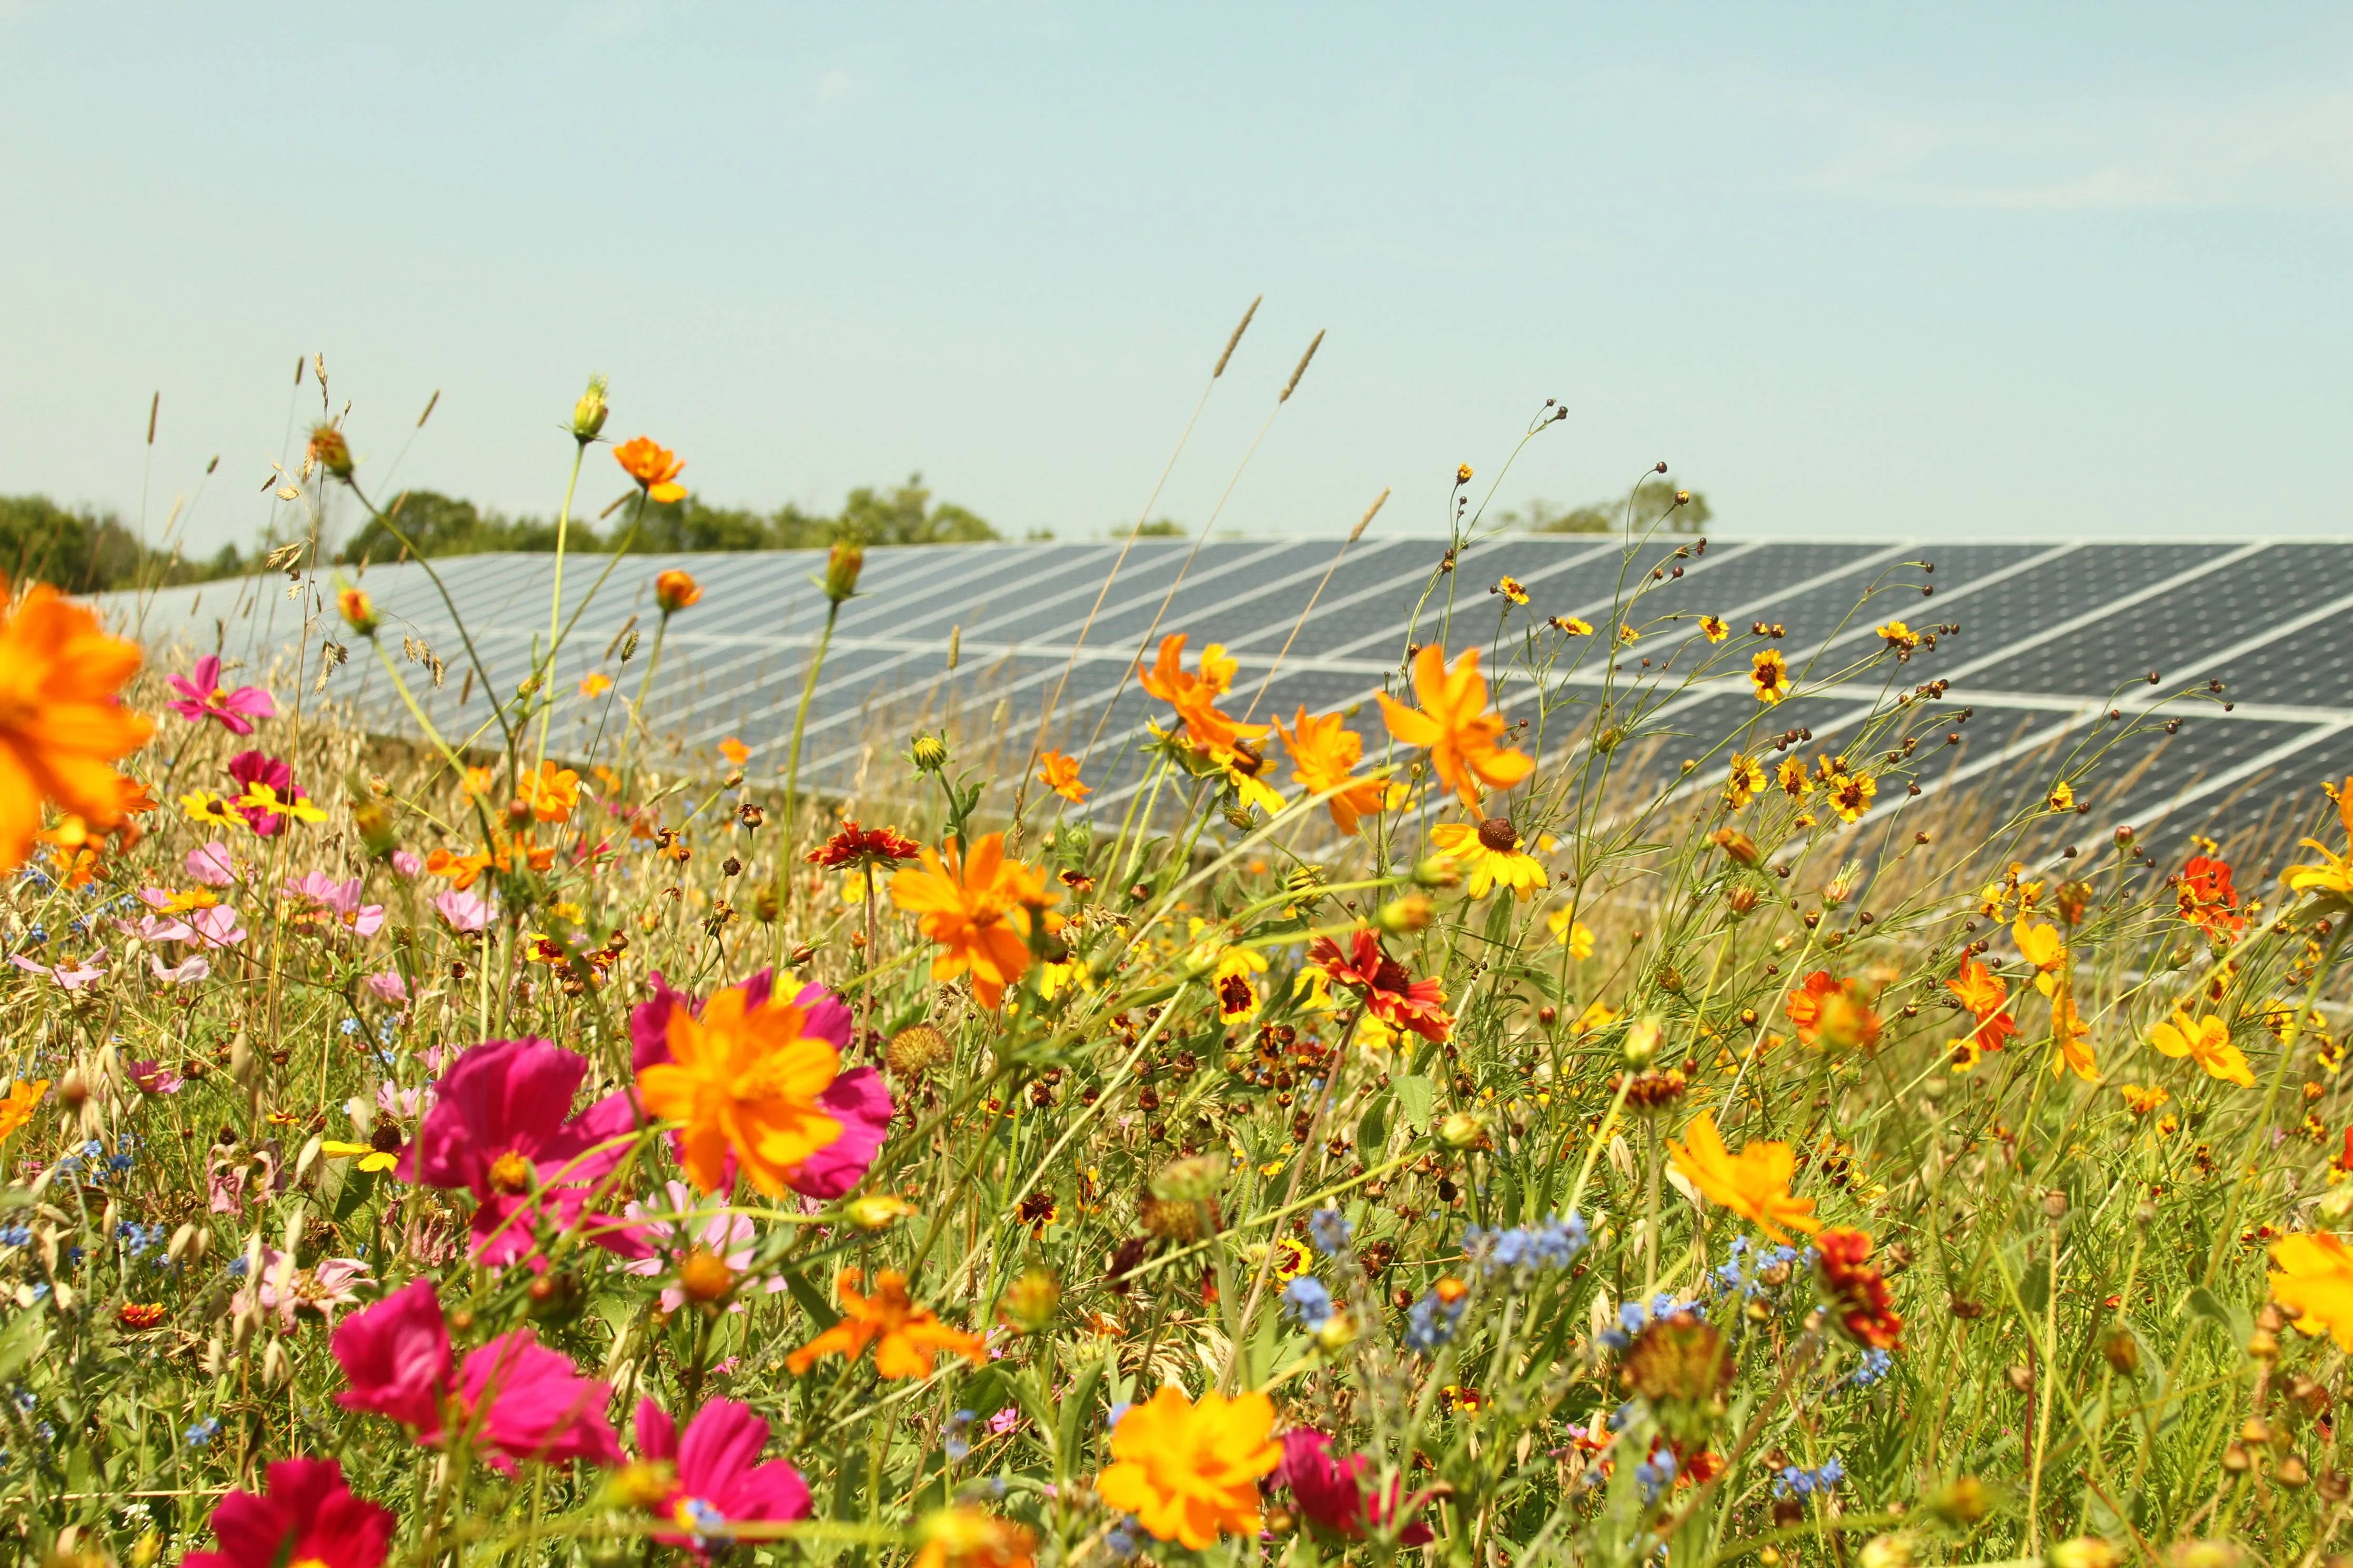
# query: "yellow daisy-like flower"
2316,1283
2333,878
1754,1184
2207,1042
1571,626
1574,933
1491,855
595,683
1793,778
24,1095
210,809
1850,795
2061,798
1746,781
2141,1100
1626,635
1712,628
1597,1015
1768,672
1189,1472
261,797
1899,637
1509,587
370,1157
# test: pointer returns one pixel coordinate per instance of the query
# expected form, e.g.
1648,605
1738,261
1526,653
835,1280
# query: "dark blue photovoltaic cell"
2049,630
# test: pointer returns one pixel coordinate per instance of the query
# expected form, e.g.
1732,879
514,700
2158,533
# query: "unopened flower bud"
1339,1331
1400,917
842,564
1740,900
704,1276
1460,1129
1735,844
1641,1047
2263,1345
928,752
357,609
877,1211
1029,1303
1437,871
588,414
331,451
675,591
917,1050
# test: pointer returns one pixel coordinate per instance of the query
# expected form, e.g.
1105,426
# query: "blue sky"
1961,271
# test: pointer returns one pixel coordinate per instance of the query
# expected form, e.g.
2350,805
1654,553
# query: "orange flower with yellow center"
1189,1472
1452,722
1194,696
978,908
675,591
744,1082
905,1337
61,721
1059,773
1324,756
966,1537
656,468
1755,1183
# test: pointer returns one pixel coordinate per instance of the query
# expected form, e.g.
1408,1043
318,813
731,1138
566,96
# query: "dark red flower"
251,768
1390,995
1859,1293
306,1514
856,846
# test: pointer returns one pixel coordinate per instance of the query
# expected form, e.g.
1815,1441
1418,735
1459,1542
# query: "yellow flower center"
704,1276
512,1172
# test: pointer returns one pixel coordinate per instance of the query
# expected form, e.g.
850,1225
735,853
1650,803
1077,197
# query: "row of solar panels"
2053,636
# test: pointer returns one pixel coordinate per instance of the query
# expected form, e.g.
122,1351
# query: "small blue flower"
1432,1322
1117,1414
237,1267
1307,1300
350,1025
1656,1474
1329,1229
1797,1481
1120,1541
1876,1366
26,1399
954,1441
202,1433
16,1235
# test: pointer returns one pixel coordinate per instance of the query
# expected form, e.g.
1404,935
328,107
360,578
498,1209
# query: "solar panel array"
2054,635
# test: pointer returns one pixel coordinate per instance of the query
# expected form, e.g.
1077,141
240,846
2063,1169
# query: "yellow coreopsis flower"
24,1095
203,805
1189,1472
2333,878
1491,855
1574,933
1768,673
2207,1042
370,1157
1746,781
1712,628
261,797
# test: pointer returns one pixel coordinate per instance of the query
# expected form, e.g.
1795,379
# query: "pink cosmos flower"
216,926
73,974
154,1077
249,768
339,902
466,911
286,1289
407,863
1332,1493
408,1104
857,1099
729,1235
305,1515
195,966
499,1128
522,1400
211,864
719,1479
202,697
387,986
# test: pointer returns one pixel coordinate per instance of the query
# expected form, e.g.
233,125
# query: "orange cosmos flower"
734,751
966,1537
62,720
1832,1014
1189,1472
2073,1037
1754,1184
1061,774
2333,878
23,1098
745,1081
978,908
1986,997
675,591
1194,696
1454,725
1324,756
905,1336
656,468
553,794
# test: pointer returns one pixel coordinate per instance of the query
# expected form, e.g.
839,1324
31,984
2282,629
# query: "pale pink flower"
73,974
286,1289
407,863
195,966
466,911
154,1077
388,986
210,865
338,903
730,1236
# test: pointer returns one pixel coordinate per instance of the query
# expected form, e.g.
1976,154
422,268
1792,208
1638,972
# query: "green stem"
793,773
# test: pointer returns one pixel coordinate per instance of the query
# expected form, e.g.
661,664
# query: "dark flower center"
1498,834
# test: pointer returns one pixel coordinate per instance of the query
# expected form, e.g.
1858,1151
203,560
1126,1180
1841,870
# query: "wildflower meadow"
1425,1132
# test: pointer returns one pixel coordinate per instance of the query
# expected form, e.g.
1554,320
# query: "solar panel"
2054,634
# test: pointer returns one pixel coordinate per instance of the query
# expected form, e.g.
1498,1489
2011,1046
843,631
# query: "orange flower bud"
675,590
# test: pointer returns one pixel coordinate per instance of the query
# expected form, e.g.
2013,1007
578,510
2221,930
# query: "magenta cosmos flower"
304,1515
202,697
720,1480
501,1128
251,768
1332,1493
857,1099
519,1399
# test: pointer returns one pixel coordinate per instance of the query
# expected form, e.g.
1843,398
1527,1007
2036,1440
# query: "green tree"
907,516
80,551
1159,528
1653,505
